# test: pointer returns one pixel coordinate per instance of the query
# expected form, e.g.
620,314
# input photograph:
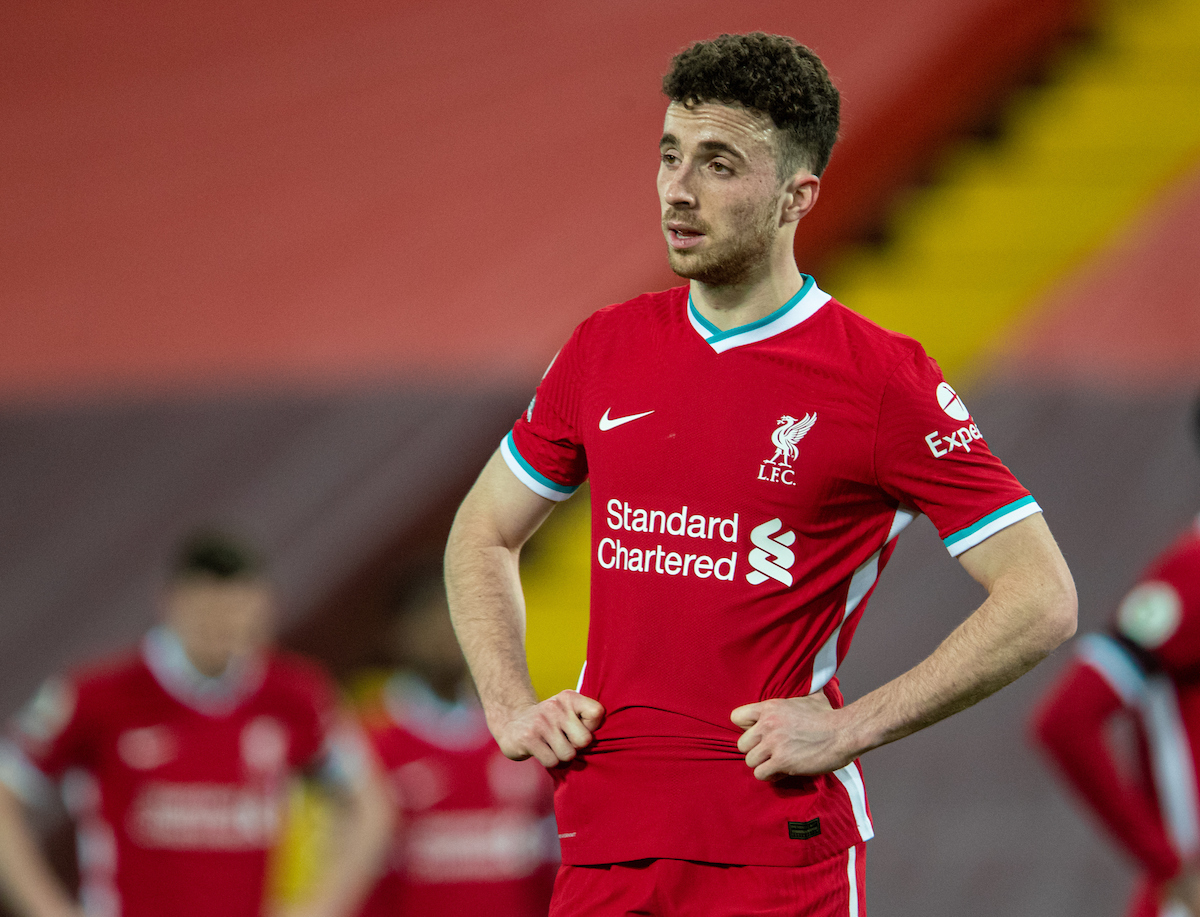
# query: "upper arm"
1022,564
500,510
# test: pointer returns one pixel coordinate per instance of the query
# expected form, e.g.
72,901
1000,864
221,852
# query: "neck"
733,305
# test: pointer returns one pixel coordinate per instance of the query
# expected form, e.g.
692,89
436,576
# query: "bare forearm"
994,646
30,887
1029,611
488,610
487,606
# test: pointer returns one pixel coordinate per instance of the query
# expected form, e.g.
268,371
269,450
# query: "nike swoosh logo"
607,423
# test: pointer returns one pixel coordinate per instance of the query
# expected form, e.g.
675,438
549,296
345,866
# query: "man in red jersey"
1146,672
174,762
475,831
753,449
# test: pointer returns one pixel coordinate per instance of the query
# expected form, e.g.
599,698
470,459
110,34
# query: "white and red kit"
176,781
475,831
1147,672
747,488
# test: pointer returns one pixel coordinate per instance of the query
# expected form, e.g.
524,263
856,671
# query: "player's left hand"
792,736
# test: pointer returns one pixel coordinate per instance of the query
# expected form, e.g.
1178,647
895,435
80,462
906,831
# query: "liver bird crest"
788,432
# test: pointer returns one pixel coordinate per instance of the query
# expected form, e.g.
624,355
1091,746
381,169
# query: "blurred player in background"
1145,673
174,762
475,831
754,448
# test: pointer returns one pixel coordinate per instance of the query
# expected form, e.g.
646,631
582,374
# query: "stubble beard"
745,255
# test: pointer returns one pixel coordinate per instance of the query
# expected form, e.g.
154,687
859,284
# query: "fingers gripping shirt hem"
989,525
530,476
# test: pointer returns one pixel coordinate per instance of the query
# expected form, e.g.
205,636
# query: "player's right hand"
551,731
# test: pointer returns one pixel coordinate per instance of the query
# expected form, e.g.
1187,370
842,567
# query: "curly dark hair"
771,74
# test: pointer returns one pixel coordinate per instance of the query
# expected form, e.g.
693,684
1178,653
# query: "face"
720,194
218,621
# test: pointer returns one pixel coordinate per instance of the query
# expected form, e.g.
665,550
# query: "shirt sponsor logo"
204,816
772,556
943,444
473,846
612,554
787,434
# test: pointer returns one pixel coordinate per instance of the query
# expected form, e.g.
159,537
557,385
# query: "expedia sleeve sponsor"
930,454
940,443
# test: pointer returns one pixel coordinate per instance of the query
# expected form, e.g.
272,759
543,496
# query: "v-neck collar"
800,307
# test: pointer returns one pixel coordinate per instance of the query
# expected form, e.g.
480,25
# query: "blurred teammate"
753,448
475,831
174,762
1145,671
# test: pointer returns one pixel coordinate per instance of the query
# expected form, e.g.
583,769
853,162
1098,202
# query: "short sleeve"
930,454
51,731
545,449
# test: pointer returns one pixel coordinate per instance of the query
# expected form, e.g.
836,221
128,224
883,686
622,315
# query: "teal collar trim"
808,299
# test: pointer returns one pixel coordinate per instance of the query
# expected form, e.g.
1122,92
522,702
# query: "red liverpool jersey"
1150,673
747,487
177,793
475,832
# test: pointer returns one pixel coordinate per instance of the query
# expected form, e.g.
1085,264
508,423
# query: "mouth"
681,237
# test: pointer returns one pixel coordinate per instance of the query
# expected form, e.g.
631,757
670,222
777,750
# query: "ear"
799,196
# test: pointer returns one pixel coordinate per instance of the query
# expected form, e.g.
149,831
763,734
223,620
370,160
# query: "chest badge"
787,434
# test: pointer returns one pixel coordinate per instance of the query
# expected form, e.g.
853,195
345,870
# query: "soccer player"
174,762
475,831
1144,673
754,448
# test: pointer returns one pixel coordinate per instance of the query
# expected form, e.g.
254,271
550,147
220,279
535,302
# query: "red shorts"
682,888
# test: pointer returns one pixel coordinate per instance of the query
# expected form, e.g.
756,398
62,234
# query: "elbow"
1061,611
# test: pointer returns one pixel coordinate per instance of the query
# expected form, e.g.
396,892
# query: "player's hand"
551,731
792,736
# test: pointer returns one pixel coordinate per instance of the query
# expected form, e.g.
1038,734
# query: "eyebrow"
708,146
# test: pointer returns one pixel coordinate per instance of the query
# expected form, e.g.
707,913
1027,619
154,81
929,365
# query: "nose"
677,187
